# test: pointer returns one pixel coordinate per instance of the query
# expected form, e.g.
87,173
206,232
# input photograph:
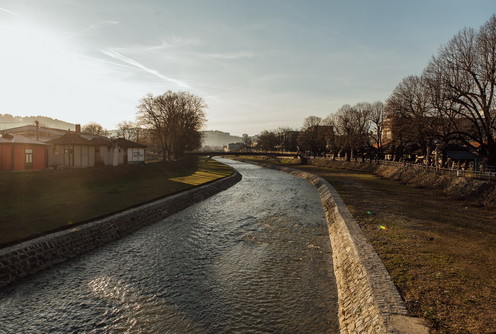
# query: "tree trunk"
491,153
427,155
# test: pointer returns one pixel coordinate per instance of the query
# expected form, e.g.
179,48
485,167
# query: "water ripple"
253,259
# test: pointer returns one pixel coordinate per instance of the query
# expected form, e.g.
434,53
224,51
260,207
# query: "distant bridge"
269,154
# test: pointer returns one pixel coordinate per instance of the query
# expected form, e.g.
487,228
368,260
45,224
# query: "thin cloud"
99,60
101,24
232,55
8,12
175,42
116,55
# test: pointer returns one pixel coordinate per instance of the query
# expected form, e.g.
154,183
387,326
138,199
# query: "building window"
28,160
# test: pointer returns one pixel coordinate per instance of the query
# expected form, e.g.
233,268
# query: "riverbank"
36,203
473,190
35,255
439,251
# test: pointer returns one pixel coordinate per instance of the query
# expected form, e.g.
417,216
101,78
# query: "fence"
460,172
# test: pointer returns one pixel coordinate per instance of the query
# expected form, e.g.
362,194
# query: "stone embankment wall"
32,256
465,188
368,300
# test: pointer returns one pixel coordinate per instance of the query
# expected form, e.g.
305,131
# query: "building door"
28,158
68,156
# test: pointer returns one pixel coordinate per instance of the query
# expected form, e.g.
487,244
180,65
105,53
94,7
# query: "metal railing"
488,174
455,171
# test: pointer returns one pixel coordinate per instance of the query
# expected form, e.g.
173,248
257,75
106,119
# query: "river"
255,258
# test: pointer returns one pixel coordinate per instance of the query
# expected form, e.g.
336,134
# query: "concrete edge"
367,297
30,257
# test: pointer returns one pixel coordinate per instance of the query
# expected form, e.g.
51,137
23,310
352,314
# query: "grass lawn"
440,252
34,203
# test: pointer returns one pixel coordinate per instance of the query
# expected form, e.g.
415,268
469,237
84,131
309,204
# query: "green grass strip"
36,203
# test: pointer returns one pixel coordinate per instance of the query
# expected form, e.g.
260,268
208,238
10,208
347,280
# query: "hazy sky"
259,64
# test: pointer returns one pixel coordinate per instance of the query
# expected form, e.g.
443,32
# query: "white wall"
135,155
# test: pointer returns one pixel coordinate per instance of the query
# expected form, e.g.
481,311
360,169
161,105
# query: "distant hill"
8,121
215,138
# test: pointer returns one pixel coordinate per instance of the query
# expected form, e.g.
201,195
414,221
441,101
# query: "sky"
258,64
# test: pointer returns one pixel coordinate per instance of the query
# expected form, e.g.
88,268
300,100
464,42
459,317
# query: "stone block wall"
368,300
32,256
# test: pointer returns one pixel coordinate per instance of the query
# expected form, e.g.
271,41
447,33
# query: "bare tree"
352,130
94,128
414,121
332,135
344,130
129,130
361,120
314,136
312,121
267,140
377,124
465,69
448,124
287,139
176,118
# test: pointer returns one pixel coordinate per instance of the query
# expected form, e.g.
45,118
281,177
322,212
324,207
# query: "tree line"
352,131
450,104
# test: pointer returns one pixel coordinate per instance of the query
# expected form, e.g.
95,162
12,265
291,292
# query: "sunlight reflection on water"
252,259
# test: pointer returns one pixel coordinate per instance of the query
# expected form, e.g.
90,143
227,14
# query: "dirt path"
441,253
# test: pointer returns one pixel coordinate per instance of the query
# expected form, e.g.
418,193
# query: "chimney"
78,128
37,130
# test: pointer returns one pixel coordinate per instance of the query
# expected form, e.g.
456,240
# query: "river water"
255,258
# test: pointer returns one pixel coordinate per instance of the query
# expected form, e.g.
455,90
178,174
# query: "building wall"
116,156
39,157
103,155
68,156
84,156
56,156
13,156
135,155
5,156
120,155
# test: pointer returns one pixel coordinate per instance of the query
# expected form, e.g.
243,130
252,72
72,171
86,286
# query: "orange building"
20,153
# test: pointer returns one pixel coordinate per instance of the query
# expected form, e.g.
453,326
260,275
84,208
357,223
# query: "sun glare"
29,53
44,72
35,64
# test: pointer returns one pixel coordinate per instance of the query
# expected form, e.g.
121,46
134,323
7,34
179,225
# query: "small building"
20,153
235,147
71,151
128,152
